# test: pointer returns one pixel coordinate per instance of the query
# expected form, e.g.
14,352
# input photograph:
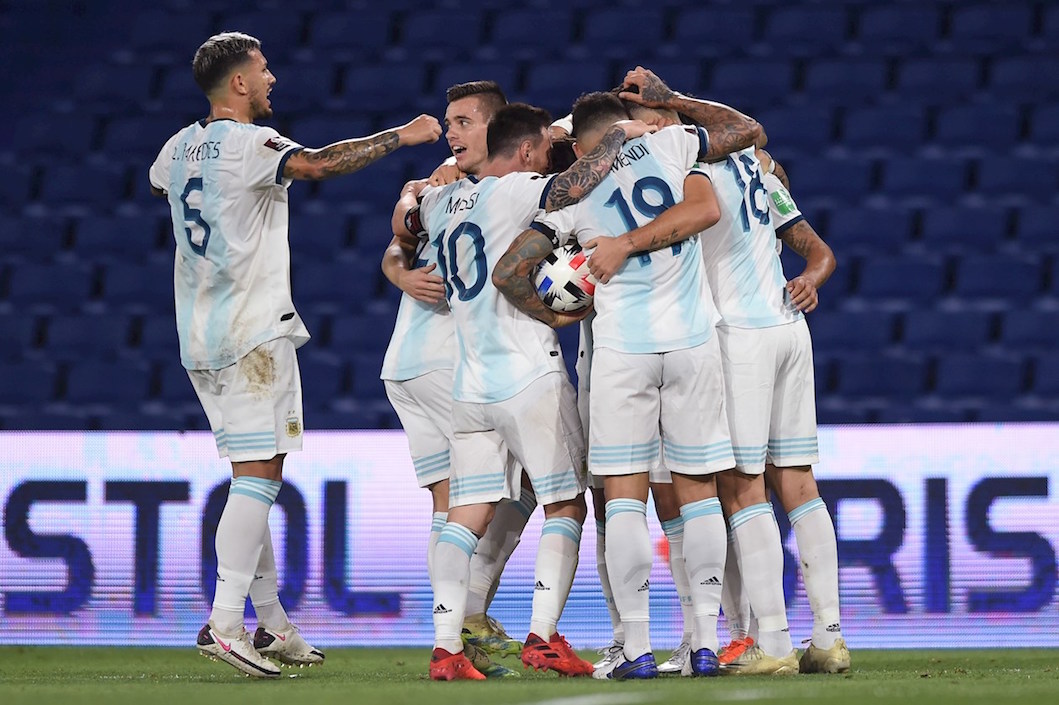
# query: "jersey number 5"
197,229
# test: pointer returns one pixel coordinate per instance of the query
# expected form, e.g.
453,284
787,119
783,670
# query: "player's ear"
237,82
578,152
525,151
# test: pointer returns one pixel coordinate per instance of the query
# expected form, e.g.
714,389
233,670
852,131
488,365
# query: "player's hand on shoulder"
445,174
606,255
423,286
424,129
635,128
803,294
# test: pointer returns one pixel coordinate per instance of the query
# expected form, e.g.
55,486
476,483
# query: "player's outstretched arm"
730,130
587,172
352,155
513,277
698,211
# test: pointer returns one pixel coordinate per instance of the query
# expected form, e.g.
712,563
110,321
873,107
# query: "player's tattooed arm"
587,172
819,264
730,130
513,277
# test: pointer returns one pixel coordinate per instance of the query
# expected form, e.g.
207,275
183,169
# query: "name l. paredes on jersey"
197,152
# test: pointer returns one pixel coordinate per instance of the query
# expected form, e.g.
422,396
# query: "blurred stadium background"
921,138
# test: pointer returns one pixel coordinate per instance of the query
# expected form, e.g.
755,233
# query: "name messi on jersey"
196,152
455,205
632,153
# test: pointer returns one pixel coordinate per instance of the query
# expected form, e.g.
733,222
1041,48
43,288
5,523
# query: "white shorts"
771,395
424,405
537,429
254,406
677,396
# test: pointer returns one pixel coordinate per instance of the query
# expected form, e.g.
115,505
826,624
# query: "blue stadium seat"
168,31
32,238
41,136
18,335
931,330
93,186
15,190
833,411
27,383
934,80
92,382
841,180
619,32
345,286
710,30
1049,30
49,287
504,73
898,28
366,332
114,88
901,279
1030,329
1018,413
29,418
805,30
280,32
1018,179
132,239
371,235
864,229
418,32
989,27
927,181
805,129
527,33
175,390
158,339
846,331
348,414
1012,278
145,288
323,375
320,235
964,229
179,92
1046,375
900,128
1017,78
342,35
140,137
845,81
893,377
304,87
381,87
984,375
1037,229
1044,126
380,182
741,82
981,129
316,131
96,336
921,413
366,384
561,82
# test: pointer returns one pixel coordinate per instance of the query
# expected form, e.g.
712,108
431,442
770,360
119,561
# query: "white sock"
818,555
757,541
674,531
452,567
554,573
629,559
264,590
705,547
733,598
437,523
495,548
240,539
604,581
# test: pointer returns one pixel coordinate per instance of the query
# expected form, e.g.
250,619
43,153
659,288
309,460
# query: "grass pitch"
398,677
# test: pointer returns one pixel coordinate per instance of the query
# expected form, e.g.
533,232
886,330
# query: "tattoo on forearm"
655,90
730,131
512,275
661,240
586,173
800,237
351,155
781,174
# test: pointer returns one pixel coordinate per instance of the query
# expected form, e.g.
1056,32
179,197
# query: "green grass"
398,676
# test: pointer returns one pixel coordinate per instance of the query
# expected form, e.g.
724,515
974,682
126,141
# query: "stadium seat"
169,31
158,339
1037,229
54,419
932,330
449,74
366,332
319,235
379,183
1030,329
49,287
853,229
936,81
175,390
986,28
92,382
141,137
370,86
15,191
900,128
418,32
920,413
526,33
1044,126
145,288
805,30
371,234
323,375
559,83
366,385
845,81
93,186
839,181
132,239
985,375
1017,78
901,279
980,129
743,82
1045,375
926,181
710,30
964,229
55,135
1004,178
1011,278
345,286
316,130
892,377
114,88
18,335
304,87
32,238
1018,413
802,129
618,32
96,336
27,383
852,331
279,32
898,28
341,35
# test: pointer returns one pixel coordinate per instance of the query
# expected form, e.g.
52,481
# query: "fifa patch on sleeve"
782,200
279,144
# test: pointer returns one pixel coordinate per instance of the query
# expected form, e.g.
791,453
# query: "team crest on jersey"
294,426
278,143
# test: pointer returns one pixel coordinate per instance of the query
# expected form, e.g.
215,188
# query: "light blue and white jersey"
742,261
424,335
228,200
656,302
499,349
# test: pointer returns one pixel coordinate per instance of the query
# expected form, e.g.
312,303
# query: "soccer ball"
563,281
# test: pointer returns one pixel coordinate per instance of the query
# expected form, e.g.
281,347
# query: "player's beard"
259,106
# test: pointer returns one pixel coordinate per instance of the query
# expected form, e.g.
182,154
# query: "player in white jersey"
226,181
512,402
417,371
655,367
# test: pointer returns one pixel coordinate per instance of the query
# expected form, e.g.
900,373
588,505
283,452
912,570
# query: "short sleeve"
688,141
159,171
266,155
784,210
558,226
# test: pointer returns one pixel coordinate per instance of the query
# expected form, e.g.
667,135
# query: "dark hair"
593,111
563,155
218,55
488,93
512,125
